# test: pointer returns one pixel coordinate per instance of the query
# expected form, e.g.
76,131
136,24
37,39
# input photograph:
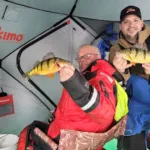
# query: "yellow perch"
47,67
135,55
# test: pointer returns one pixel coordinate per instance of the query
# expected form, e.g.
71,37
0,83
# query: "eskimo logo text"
8,36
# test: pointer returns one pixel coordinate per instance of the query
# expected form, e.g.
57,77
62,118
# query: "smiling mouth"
131,30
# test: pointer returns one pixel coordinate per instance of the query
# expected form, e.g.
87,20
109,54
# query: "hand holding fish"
120,63
66,72
146,66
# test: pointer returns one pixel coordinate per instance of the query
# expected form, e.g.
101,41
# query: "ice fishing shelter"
28,30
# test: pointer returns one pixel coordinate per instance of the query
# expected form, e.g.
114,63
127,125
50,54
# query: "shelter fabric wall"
63,43
21,20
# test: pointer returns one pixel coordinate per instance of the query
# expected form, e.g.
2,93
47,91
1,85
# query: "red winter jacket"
87,102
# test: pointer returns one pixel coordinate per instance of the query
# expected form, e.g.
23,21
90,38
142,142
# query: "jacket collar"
101,65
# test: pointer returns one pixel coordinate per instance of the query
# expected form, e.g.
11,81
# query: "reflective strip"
92,101
5,100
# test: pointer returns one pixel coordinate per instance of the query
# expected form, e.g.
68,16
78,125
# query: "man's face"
130,26
86,56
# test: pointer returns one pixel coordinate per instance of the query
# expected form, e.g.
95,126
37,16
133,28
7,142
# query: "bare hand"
146,66
120,63
66,71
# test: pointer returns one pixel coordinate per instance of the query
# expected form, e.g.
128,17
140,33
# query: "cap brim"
130,13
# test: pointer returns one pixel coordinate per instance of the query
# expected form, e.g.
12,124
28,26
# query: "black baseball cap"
130,10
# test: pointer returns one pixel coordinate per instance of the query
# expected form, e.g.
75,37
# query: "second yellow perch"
135,55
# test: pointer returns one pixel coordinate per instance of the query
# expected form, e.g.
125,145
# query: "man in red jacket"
88,100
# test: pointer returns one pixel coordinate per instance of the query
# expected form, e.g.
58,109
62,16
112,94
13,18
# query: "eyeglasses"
86,56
